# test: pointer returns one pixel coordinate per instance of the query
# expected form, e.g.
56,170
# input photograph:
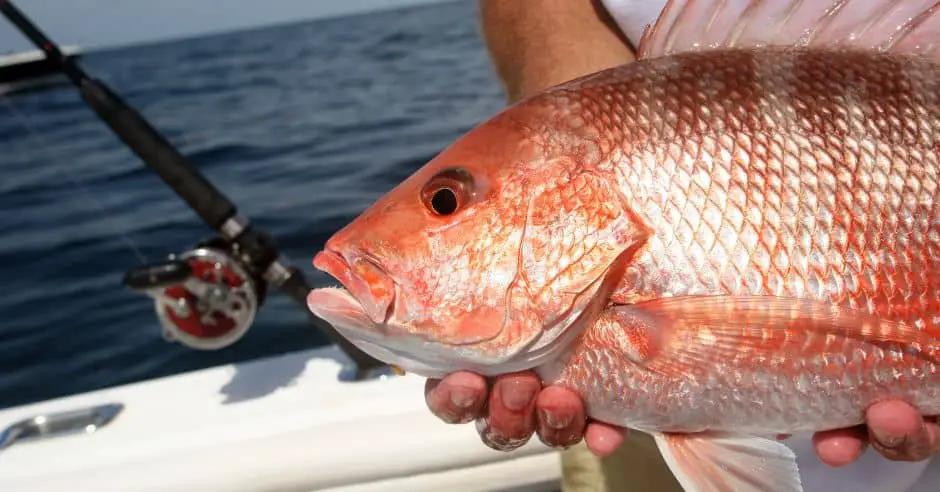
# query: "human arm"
535,45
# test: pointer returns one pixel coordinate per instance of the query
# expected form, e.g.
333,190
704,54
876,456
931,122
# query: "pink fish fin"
686,335
713,462
909,27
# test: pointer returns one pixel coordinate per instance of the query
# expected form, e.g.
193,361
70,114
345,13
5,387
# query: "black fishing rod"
207,297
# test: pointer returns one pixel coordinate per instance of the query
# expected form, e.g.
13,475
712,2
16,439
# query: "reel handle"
157,276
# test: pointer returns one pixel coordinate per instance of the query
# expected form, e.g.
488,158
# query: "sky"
106,23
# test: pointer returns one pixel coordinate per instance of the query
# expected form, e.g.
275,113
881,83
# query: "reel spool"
203,298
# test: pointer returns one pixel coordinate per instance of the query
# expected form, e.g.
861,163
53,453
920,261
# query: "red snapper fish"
735,237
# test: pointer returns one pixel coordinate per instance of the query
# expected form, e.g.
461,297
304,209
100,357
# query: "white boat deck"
285,423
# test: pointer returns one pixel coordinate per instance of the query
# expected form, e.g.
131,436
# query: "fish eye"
448,191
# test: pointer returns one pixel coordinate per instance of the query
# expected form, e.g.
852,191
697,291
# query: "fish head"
483,258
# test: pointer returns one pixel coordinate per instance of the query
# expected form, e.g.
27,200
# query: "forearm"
537,44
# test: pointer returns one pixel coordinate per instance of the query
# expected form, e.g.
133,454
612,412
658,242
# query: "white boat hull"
281,424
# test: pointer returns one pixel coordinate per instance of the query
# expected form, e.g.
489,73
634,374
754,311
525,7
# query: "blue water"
302,126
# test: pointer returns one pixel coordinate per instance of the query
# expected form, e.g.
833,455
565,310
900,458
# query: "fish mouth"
364,279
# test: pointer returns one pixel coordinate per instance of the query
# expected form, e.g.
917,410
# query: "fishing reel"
203,297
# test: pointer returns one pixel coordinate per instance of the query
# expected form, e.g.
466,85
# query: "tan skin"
534,46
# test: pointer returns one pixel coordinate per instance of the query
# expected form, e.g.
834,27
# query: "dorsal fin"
908,27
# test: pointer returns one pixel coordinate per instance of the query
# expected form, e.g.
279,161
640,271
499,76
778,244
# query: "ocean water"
302,126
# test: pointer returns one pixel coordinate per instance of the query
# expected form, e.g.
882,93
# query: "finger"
840,447
561,418
898,432
934,431
603,439
456,399
510,415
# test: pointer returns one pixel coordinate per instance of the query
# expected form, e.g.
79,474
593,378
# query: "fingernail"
934,437
514,396
886,439
494,441
505,444
462,398
482,425
560,442
555,421
556,446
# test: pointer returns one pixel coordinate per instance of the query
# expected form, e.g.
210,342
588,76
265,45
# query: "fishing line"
40,141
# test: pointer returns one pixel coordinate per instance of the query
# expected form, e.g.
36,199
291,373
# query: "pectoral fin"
709,462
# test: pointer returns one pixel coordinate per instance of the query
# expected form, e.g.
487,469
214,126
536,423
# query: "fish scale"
776,212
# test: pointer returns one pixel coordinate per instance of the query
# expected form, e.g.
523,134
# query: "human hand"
894,429
516,406
512,407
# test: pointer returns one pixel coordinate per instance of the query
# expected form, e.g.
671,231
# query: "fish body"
764,173
735,237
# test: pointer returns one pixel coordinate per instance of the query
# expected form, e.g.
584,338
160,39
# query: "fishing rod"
205,298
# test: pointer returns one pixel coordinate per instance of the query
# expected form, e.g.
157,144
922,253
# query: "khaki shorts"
637,466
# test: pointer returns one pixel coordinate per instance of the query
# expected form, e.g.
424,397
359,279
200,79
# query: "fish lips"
345,313
365,281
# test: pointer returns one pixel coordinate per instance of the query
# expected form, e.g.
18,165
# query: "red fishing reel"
203,298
